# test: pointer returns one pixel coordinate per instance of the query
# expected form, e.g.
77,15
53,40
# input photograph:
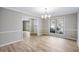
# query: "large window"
57,25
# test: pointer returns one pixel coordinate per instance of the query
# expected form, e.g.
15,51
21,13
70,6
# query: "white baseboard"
10,43
10,31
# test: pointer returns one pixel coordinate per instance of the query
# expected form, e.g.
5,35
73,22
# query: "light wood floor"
42,44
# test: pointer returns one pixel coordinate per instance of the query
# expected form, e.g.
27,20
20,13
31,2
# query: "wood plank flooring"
42,44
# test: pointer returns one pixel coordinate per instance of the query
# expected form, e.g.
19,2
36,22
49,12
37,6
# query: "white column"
39,27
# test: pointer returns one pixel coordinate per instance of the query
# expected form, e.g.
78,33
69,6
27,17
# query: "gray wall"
10,26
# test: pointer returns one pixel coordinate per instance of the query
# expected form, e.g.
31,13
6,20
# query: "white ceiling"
38,11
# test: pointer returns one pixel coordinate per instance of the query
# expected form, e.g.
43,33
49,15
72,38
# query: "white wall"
33,25
10,26
78,29
36,25
39,27
70,26
45,26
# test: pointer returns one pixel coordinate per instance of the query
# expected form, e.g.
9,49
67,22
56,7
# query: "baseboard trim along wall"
11,43
10,31
10,37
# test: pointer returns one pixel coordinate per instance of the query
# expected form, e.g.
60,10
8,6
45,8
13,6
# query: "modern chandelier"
45,15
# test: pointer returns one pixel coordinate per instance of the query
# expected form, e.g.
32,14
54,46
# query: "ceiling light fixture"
45,15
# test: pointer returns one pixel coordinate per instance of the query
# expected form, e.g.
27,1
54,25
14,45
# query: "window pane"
53,26
60,26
